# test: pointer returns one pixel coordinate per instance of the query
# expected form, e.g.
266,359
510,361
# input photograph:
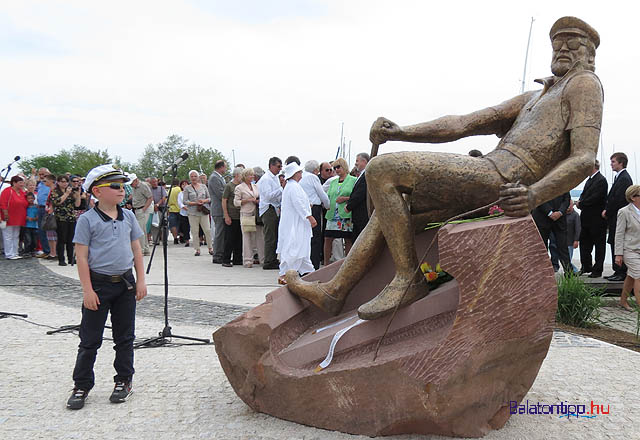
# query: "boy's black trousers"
119,299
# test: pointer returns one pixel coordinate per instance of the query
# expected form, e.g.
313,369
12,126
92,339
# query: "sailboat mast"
526,57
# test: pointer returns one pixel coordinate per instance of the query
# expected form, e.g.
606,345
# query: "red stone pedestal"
450,364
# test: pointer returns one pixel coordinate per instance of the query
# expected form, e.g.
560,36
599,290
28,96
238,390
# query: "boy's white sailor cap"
103,172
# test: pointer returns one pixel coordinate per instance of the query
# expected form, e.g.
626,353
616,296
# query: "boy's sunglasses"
112,185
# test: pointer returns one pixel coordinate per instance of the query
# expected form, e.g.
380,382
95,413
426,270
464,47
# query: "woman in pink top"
247,197
13,209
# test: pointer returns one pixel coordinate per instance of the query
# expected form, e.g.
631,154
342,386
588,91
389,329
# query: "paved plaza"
181,392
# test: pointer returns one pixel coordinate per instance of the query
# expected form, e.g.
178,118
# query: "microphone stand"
164,336
8,170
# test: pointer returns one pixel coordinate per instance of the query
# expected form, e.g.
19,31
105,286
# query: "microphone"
17,158
177,162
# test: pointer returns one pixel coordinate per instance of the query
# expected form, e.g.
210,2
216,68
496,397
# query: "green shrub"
578,304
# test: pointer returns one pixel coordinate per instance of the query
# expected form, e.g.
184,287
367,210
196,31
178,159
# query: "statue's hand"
517,200
384,130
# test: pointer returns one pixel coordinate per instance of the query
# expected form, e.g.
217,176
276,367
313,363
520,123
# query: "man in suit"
216,188
550,217
594,227
357,203
615,201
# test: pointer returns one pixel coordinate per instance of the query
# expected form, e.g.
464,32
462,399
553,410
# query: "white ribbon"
326,327
325,363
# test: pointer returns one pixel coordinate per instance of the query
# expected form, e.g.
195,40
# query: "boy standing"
31,227
107,247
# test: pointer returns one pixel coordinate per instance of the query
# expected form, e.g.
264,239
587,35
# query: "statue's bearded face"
567,50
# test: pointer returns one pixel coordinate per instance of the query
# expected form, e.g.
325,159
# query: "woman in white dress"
296,224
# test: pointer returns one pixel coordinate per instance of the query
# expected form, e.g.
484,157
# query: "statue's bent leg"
330,296
387,181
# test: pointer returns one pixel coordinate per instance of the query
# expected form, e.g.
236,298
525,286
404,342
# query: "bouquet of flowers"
434,277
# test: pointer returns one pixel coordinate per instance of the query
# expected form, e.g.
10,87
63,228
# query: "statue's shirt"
540,136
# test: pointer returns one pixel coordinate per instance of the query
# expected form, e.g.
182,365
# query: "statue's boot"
388,299
318,293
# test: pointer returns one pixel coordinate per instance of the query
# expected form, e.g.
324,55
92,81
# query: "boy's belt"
112,278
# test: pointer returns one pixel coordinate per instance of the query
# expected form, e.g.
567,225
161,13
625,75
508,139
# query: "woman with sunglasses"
196,197
339,224
65,201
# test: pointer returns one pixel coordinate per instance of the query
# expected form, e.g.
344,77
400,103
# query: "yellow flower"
425,267
438,268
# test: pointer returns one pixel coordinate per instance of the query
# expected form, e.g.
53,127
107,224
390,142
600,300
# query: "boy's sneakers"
121,391
78,396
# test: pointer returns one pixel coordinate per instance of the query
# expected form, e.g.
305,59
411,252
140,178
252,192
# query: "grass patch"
578,303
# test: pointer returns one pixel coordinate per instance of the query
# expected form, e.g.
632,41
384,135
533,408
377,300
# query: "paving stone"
181,392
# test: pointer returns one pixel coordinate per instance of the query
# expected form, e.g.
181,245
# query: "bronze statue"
549,142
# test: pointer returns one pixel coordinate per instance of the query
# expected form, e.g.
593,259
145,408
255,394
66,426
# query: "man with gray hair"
311,185
216,188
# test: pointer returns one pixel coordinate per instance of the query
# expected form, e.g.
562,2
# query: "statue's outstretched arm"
492,120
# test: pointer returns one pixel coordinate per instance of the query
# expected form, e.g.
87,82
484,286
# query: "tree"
78,160
156,159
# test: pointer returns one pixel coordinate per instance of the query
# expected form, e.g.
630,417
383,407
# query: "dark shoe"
50,257
616,278
121,392
78,396
187,245
62,263
595,275
216,261
237,263
197,254
271,266
227,265
256,261
175,241
584,271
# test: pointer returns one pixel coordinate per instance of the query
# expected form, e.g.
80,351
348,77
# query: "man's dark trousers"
316,239
42,234
270,220
232,242
121,301
593,234
559,229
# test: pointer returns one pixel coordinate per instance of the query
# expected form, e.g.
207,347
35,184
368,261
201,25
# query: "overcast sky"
268,78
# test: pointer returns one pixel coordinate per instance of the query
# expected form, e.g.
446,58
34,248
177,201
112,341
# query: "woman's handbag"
203,209
49,222
248,223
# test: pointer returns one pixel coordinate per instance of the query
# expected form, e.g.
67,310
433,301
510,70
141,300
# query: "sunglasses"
572,43
327,170
337,167
112,185
75,181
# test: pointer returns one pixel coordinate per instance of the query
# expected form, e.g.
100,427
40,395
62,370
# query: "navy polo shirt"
109,240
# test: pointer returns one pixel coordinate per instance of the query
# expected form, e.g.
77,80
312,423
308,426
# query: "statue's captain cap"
573,25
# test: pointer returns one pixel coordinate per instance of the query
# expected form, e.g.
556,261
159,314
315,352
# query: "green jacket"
334,193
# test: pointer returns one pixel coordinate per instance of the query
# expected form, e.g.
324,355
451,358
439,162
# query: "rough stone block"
450,363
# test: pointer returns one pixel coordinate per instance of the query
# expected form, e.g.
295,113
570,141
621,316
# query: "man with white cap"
296,224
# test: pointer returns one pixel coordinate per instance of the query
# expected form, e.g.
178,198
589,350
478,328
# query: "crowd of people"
287,217
307,216
606,216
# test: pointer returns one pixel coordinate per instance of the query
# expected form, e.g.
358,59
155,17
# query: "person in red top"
13,208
